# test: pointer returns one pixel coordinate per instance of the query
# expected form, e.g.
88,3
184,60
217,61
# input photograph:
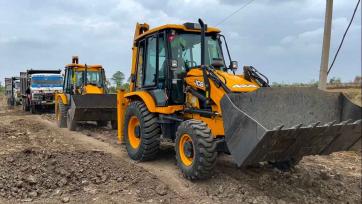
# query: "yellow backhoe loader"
182,89
84,97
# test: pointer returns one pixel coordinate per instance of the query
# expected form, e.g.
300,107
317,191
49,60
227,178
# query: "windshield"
186,49
17,85
46,81
93,77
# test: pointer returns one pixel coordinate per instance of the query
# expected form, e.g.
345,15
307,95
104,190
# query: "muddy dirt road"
40,163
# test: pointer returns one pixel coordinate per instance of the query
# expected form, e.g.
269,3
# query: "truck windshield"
93,77
186,49
46,81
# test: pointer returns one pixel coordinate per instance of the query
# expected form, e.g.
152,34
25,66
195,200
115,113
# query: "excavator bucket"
93,107
285,124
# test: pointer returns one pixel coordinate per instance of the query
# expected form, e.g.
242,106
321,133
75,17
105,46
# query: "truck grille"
49,97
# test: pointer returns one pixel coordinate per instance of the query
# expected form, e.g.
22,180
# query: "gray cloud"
282,38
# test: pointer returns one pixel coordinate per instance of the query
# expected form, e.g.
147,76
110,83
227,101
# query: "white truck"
38,88
12,91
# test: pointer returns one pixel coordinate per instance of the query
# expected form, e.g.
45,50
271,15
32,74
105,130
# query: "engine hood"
236,83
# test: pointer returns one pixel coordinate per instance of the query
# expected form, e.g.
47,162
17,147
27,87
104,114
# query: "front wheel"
142,132
32,108
195,150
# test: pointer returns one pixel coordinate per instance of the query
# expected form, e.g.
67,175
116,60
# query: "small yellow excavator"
84,97
182,89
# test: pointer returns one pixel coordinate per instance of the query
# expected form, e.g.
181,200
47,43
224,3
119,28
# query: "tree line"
118,79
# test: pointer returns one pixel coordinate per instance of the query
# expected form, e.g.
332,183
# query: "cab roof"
82,66
183,27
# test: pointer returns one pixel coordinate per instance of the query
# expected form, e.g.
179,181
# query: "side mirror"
234,65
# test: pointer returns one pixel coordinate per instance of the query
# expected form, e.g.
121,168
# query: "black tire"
204,150
114,124
149,132
71,124
102,123
26,105
32,108
62,118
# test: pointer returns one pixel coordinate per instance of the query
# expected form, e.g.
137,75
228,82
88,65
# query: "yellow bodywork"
88,89
194,78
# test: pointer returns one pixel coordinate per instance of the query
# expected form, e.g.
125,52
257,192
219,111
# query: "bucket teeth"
279,127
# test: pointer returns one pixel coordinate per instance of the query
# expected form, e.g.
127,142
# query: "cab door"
151,68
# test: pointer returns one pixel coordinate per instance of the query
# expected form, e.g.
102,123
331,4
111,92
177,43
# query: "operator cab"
165,54
84,79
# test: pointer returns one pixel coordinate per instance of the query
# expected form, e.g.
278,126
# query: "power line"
233,13
344,36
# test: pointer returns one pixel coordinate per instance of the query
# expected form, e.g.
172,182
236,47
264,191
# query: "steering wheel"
192,63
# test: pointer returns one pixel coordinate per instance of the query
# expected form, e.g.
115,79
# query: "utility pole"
326,46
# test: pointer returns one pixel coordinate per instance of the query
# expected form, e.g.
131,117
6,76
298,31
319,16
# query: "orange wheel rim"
134,139
185,158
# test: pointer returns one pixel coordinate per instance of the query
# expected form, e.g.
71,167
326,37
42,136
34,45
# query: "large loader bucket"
283,124
93,107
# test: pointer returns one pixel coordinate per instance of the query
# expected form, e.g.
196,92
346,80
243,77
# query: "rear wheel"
71,124
195,150
61,114
142,132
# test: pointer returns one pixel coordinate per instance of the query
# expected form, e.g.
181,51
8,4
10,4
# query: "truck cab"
38,88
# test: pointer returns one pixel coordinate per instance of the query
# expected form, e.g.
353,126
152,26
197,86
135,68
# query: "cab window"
150,69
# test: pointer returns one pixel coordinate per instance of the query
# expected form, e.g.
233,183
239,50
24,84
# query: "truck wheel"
114,124
71,124
26,105
102,123
142,132
195,150
32,108
61,115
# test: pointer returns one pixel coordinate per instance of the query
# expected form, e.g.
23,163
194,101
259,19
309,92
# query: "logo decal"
199,83
244,86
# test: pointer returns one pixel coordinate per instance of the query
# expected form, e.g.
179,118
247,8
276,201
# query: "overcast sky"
282,38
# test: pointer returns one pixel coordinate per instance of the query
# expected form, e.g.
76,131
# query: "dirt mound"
37,173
